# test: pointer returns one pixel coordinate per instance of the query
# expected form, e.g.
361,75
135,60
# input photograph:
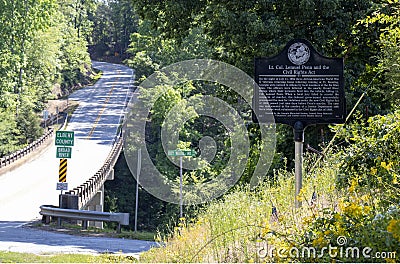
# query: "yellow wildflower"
353,210
319,242
386,166
395,181
327,232
339,230
307,220
367,209
353,184
266,229
301,195
394,228
337,217
374,171
390,260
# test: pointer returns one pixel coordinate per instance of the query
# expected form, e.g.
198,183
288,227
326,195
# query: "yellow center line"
100,113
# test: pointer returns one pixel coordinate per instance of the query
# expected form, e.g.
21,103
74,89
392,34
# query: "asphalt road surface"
16,238
23,190
94,123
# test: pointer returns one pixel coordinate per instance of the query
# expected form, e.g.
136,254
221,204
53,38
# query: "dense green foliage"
373,150
238,31
113,23
354,215
39,49
43,44
365,33
120,196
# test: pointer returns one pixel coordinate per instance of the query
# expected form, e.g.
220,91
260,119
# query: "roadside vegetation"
43,55
12,257
350,194
350,200
73,229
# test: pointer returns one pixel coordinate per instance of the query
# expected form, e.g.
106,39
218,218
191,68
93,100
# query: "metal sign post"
45,116
180,188
298,159
139,167
180,154
62,184
57,112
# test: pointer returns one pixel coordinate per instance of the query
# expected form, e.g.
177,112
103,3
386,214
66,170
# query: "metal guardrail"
7,160
53,119
87,190
84,215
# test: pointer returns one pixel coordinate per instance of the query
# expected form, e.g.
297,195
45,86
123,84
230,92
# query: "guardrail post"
84,216
67,201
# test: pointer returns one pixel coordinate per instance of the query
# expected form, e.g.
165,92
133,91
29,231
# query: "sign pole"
181,153
57,112
139,165
60,206
180,187
298,159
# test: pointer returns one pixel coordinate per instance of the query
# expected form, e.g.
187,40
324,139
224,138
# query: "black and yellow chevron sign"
62,175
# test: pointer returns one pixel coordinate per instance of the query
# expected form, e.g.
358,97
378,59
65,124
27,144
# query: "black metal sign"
300,85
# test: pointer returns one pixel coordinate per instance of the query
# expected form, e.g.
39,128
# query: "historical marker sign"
300,85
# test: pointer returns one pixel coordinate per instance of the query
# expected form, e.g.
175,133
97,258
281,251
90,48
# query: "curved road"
23,190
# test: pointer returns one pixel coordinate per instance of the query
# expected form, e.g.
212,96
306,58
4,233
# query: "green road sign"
65,138
178,152
64,152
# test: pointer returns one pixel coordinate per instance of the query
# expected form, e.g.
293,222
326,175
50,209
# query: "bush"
372,157
350,212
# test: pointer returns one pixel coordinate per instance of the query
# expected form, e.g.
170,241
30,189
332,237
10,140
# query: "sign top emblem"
298,53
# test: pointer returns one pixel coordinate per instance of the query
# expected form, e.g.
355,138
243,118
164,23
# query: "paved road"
95,123
24,189
16,238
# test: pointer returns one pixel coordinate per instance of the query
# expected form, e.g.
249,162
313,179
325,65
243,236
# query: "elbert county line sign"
65,138
178,152
64,152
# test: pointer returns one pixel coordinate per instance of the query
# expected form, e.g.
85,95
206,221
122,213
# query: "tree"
238,31
38,49
76,14
114,21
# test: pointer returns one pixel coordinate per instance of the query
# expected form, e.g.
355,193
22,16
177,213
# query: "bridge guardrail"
7,160
88,189
84,215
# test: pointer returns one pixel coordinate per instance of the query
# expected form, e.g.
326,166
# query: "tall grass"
236,228
357,207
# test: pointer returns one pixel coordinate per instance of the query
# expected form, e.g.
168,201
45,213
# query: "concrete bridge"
97,127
